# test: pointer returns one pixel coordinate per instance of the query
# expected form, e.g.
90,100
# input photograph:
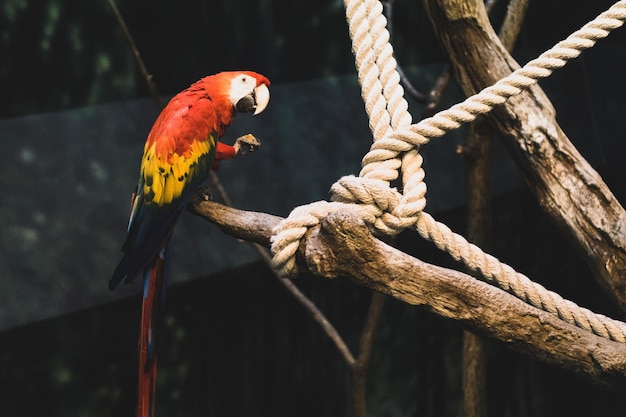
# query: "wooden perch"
567,187
343,246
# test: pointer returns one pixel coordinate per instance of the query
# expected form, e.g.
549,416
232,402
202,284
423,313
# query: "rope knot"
393,212
369,191
289,232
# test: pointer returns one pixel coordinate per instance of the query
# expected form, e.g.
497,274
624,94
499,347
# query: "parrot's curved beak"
256,101
262,95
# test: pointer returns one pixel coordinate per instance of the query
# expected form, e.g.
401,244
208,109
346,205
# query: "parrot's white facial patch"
245,95
241,86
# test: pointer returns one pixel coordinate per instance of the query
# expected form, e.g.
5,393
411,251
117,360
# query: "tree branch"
388,6
360,367
512,23
343,246
257,230
567,187
436,93
251,233
477,152
133,48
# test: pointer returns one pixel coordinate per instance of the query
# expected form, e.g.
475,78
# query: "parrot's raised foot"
246,144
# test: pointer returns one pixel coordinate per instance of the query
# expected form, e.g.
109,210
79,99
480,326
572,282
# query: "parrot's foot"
246,144
203,193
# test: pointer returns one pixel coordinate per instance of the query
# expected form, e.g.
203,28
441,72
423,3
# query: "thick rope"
506,278
396,144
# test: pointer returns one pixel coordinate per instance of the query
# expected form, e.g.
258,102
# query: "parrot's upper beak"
262,94
256,101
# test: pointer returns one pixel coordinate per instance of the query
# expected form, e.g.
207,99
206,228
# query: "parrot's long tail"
153,297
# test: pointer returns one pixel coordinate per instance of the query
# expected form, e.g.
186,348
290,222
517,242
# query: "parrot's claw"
246,144
203,193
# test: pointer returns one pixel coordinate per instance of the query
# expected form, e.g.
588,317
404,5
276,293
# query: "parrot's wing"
166,184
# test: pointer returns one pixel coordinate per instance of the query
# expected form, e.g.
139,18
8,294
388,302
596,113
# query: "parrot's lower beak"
255,102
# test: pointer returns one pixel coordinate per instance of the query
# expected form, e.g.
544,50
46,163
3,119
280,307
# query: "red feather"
153,293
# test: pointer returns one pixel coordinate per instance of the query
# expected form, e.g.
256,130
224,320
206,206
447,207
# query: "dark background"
73,118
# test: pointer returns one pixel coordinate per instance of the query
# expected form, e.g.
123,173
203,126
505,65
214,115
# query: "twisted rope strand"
506,278
484,101
365,56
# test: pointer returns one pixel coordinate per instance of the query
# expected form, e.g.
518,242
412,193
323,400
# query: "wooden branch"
257,228
436,93
477,152
343,246
361,365
567,187
516,11
138,60
409,88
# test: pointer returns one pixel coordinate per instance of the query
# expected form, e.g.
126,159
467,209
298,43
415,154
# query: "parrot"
181,147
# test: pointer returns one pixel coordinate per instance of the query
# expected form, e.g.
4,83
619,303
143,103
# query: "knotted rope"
396,146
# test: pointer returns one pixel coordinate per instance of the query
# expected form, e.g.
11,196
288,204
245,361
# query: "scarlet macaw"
182,146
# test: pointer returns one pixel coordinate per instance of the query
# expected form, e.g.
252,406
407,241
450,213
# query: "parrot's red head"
249,92
246,91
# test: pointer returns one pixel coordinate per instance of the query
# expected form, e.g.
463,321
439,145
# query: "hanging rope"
396,147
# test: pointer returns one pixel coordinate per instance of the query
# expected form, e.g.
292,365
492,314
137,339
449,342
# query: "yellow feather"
165,180
168,190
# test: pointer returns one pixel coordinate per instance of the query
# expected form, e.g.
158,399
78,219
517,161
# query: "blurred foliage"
56,56
60,54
